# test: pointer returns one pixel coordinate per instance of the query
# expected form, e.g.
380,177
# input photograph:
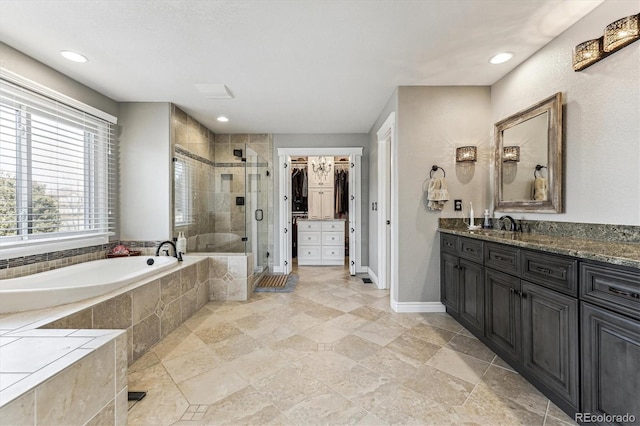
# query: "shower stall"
222,196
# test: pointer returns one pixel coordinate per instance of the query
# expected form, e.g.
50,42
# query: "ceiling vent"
214,91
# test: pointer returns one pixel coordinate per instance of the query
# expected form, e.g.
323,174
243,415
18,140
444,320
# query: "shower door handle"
259,214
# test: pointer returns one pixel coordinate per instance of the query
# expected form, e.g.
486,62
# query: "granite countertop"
618,253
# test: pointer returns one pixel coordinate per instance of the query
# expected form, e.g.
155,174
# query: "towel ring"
435,169
537,169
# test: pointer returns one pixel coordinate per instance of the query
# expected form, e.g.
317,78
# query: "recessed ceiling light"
501,58
73,56
223,119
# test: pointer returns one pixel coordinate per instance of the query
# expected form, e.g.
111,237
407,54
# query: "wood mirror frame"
554,200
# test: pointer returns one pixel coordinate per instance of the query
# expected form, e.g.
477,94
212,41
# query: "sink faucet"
513,224
176,254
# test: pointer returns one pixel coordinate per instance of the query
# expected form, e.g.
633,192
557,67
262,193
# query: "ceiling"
293,66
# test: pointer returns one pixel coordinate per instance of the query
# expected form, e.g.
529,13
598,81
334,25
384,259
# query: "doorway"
387,228
353,228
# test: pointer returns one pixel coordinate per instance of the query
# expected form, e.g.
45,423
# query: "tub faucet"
513,224
176,254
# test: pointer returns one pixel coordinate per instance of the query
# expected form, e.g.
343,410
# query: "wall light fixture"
466,153
511,154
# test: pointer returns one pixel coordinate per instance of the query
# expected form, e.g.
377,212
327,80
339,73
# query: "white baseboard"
373,276
406,307
278,269
362,270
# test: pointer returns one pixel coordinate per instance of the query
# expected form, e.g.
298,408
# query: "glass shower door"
256,219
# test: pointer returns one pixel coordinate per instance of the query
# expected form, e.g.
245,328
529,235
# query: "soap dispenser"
487,220
181,246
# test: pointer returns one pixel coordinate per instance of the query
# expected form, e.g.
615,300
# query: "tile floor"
331,352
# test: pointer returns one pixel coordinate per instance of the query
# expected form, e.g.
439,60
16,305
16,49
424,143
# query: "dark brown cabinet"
502,327
610,364
550,340
462,281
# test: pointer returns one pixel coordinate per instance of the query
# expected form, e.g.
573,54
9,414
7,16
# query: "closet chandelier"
322,167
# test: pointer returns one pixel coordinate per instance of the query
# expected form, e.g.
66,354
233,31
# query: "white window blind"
182,173
58,170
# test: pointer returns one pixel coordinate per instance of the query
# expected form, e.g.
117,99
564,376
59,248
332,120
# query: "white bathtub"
77,282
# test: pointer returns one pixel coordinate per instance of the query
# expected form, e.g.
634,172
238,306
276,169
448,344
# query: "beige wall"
431,123
601,115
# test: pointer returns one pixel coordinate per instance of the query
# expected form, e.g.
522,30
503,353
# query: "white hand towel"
540,189
437,193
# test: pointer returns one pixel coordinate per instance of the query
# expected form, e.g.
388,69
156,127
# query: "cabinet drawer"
309,225
332,238
613,287
309,253
502,258
553,271
471,249
331,225
306,238
332,253
449,243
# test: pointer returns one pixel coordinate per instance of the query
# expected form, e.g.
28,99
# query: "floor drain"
367,280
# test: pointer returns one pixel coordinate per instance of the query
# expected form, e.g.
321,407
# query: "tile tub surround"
63,377
576,245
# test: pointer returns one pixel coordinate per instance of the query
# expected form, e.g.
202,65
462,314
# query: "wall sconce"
617,35
466,153
511,154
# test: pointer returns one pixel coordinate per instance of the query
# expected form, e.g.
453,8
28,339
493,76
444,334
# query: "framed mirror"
528,159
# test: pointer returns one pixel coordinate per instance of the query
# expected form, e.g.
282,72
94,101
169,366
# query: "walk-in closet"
320,210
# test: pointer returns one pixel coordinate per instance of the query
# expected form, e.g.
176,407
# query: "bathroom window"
182,190
58,171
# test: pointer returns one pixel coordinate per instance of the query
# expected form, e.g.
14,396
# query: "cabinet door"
550,340
610,363
315,203
328,202
471,295
449,281
502,312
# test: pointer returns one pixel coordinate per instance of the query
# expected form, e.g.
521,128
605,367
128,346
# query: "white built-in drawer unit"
321,242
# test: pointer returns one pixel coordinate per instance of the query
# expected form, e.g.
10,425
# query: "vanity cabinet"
321,242
522,304
462,280
610,335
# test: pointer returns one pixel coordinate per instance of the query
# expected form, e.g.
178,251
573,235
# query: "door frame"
284,197
387,208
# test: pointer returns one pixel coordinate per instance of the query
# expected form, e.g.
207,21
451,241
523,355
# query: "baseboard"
406,307
278,269
362,270
373,276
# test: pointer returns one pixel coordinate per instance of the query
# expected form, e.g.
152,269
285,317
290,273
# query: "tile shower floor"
331,352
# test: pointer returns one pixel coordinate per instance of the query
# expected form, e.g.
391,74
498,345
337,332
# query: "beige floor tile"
295,347
212,386
147,360
326,408
259,364
470,346
179,342
164,403
368,313
348,322
325,333
511,385
381,331
439,386
371,420
235,347
191,364
499,362
414,351
327,367
245,407
365,388
555,413
459,365
486,407
435,335
391,364
289,386
355,347
407,407
217,332
442,320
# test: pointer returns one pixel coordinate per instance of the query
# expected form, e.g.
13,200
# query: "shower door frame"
355,203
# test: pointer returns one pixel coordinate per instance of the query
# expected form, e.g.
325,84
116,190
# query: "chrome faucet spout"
176,254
